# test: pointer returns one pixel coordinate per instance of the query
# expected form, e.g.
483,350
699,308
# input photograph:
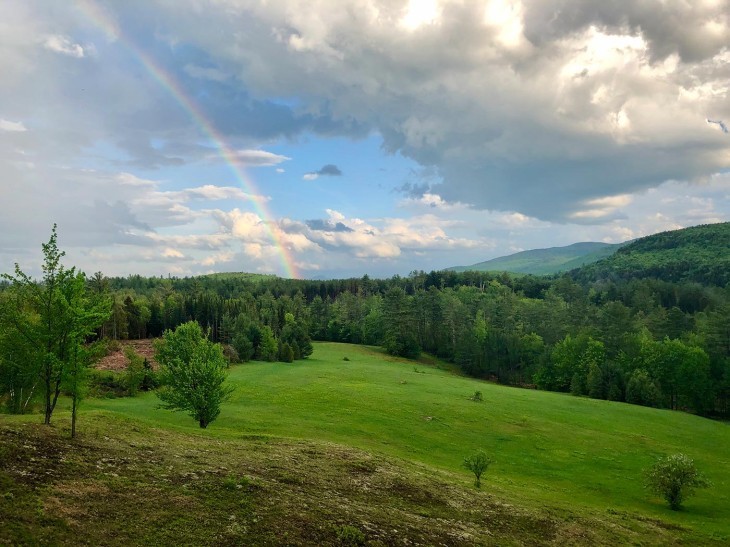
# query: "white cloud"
255,158
519,106
13,127
310,176
169,252
63,45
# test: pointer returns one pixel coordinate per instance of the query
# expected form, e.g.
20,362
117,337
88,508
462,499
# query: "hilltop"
700,254
545,261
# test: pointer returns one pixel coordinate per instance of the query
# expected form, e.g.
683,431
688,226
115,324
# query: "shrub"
150,381
349,535
674,478
477,463
135,373
477,397
230,353
107,384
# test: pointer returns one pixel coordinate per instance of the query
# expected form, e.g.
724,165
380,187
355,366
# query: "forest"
654,338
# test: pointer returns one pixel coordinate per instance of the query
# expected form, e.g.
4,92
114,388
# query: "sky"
337,138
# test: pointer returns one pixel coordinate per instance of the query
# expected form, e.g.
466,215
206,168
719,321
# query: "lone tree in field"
477,463
674,478
193,373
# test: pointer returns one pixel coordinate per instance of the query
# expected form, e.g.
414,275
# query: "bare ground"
117,361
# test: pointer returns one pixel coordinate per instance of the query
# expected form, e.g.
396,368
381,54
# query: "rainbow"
91,10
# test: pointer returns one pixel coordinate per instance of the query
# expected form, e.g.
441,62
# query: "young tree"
55,316
268,348
75,380
193,373
477,463
674,478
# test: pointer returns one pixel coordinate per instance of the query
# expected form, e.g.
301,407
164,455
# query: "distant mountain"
546,261
700,254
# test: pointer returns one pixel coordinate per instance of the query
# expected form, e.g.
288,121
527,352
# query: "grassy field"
376,444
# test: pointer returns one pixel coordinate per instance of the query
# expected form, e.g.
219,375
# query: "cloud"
6,125
720,124
205,73
328,170
327,226
533,107
63,45
255,158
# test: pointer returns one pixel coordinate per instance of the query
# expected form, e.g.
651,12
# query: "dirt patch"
117,361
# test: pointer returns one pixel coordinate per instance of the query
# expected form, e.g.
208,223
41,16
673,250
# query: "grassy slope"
568,468
545,261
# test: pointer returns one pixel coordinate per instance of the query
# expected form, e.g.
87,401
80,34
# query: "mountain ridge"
546,261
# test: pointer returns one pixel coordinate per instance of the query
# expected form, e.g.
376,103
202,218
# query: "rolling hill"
360,452
700,254
545,261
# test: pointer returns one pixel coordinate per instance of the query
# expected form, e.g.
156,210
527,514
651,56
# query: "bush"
107,384
477,397
674,478
477,463
135,373
349,535
230,353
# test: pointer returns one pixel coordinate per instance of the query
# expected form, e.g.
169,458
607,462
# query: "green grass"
573,462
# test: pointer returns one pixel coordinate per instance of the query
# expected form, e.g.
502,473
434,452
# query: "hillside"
545,261
366,451
700,254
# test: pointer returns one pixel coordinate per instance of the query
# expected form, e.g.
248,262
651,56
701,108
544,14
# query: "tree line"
645,341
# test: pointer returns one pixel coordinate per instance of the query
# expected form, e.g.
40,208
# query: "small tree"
477,463
674,478
55,316
193,373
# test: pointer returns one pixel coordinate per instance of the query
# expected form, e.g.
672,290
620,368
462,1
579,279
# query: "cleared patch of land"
374,443
116,360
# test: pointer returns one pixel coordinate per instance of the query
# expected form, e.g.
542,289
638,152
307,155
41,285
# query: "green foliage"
18,371
675,478
400,338
699,253
641,389
477,397
545,261
477,463
135,374
55,317
349,536
193,373
525,331
286,353
106,384
243,347
268,348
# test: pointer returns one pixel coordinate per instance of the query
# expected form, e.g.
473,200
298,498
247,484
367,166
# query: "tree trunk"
49,411
74,404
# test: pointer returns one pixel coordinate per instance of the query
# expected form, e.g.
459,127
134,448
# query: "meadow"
565,468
